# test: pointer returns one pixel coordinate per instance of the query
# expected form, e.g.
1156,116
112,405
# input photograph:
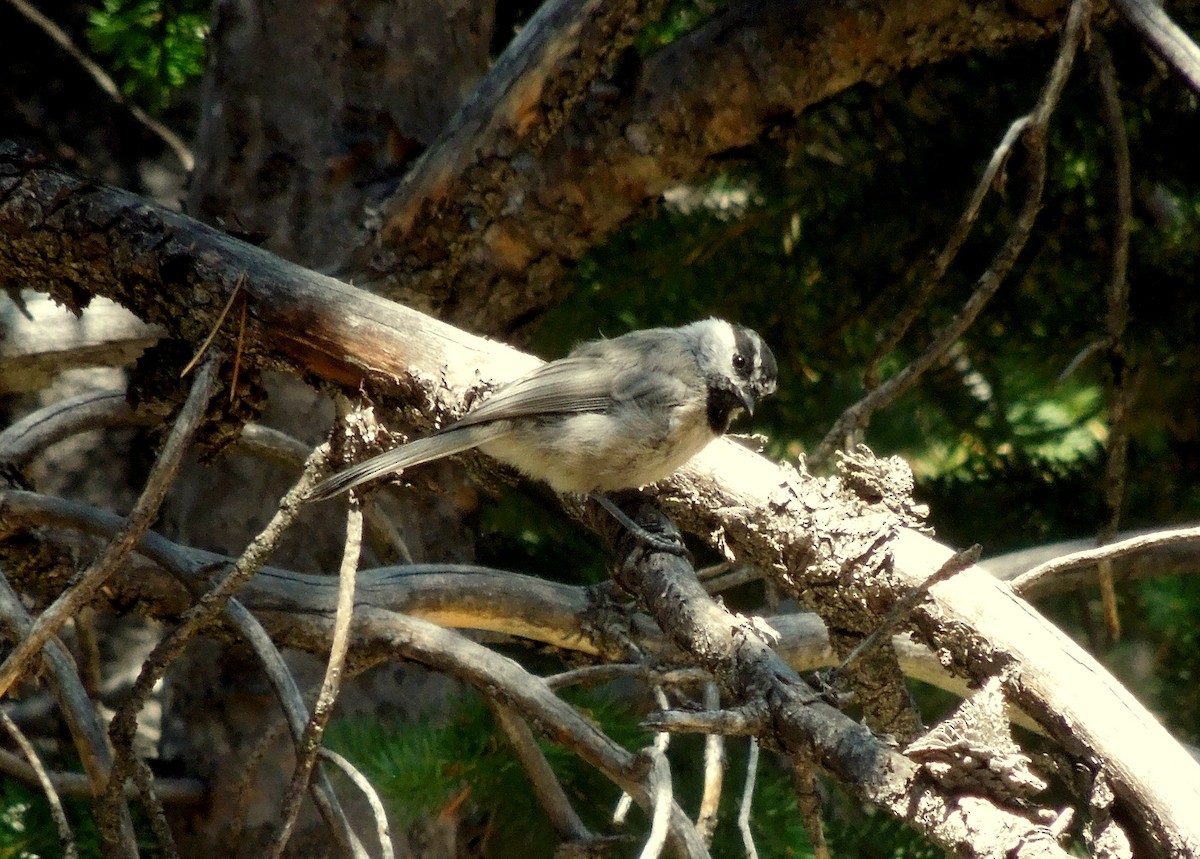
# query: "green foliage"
27,830
678,18
154,47
518,530
424,768
464,764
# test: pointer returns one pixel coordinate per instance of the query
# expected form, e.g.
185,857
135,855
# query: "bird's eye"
739,362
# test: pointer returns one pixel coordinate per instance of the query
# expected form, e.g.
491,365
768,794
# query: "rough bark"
311,111
495,257
823,537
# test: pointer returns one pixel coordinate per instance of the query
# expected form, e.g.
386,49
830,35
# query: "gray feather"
566,386
447,443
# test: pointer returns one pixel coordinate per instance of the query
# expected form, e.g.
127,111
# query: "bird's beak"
747,399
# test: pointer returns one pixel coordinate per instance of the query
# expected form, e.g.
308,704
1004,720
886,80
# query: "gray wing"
414,453
565,386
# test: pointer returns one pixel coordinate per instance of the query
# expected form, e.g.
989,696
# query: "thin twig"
216,327
85,586
175,791
444,650
738,722
590,674
65,836
26,438
78,712
144,779
382,829
1032,129
714,771
296,716
237,349
55,32
941,263
743,818
245,783
314,731
1089,557
546,786
1121,383
883,632
662,799
204,612
808,801
1165,36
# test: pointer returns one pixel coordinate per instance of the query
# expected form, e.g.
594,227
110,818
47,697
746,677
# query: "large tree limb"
72,239
510,236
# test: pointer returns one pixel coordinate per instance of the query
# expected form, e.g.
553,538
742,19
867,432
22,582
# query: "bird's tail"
406,456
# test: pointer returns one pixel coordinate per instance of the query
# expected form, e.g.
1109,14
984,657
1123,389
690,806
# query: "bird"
614,414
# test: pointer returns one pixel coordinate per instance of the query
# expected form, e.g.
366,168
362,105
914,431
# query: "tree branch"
714,90
1165,37
91,580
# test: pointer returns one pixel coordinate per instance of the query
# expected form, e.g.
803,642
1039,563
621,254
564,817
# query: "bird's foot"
669,540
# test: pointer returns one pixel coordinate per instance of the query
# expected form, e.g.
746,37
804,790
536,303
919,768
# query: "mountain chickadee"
613,414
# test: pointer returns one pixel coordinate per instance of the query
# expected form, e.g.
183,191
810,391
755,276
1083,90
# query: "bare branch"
521,103
173,142
808,802
314,730
902,606
661,122
1165,37
47,340
144,512
743,818
795,721
213,602
714,771
82,721
144,780
1121,382
382,830
546,787
292,702
395,634
661,796
1032,128
65,837
1033,579
171,790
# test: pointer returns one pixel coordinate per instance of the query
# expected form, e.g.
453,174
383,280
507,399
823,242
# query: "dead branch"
714,771
106,84
628,141
217,600
171,790
382,830
65,837
793,719
1121,382
1165,37
296,717
1032,129
87,733
546,787
1034,579
392,634
314,730
772,515
144,512
44,341
459,182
